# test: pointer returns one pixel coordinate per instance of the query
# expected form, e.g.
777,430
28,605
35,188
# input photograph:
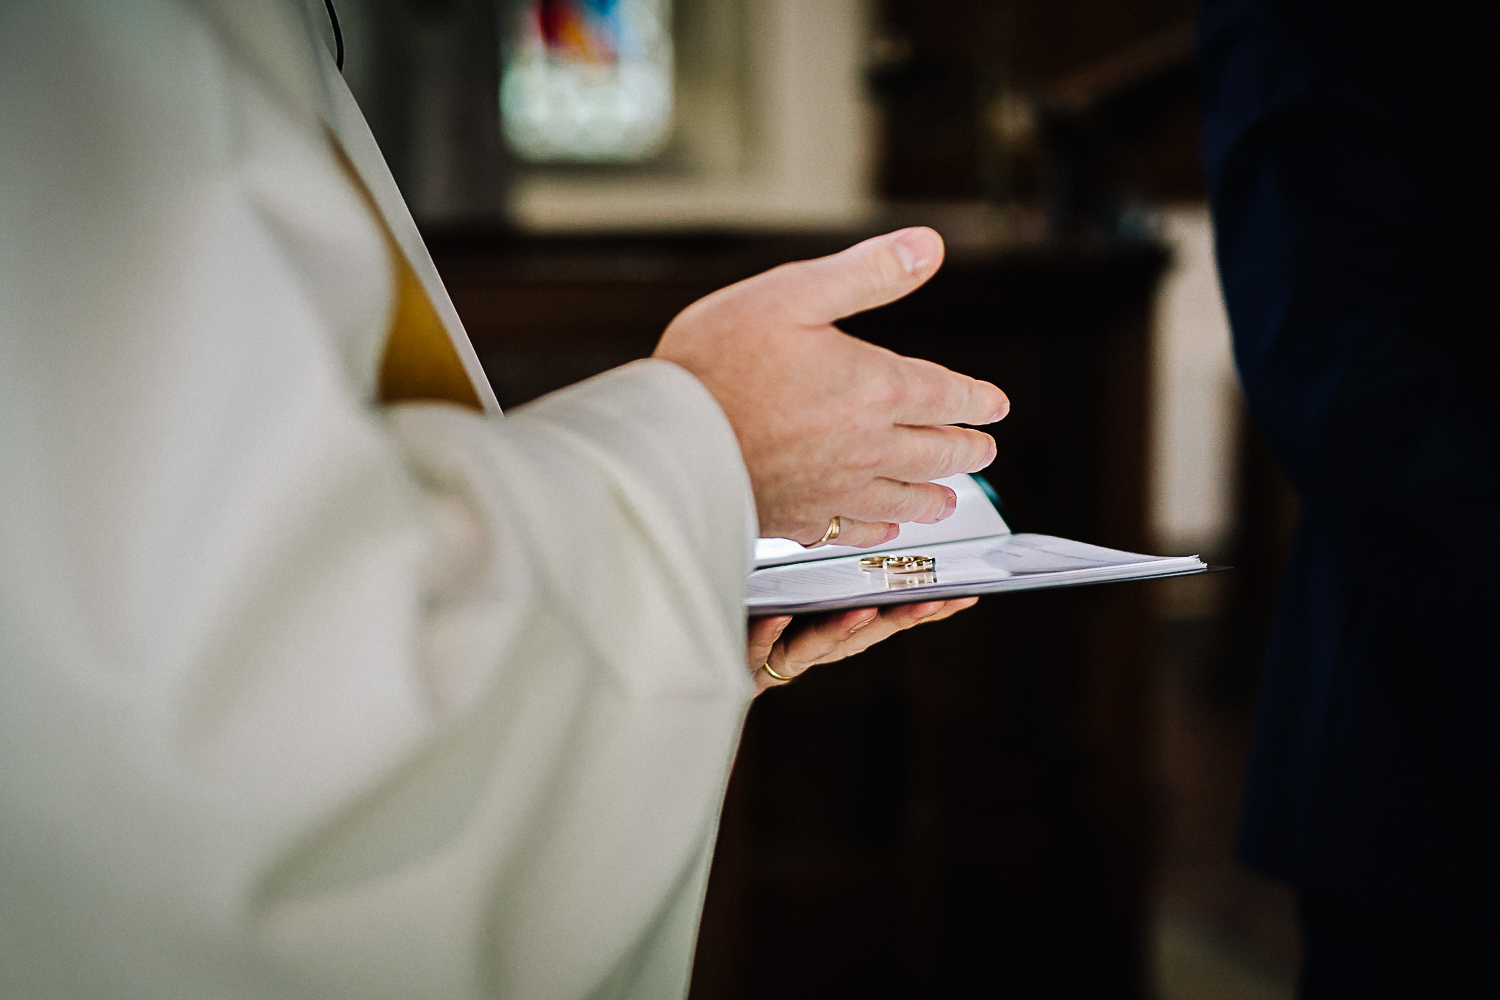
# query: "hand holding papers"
973,552
776,651
830,425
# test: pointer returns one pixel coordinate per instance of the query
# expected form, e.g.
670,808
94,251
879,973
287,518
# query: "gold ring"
910,564
783,678
871,563
834,527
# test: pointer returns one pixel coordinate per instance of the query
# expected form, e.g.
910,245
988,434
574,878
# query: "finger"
922,454
892,501
866,275
825,632
835,636
761,636
818,638
893,620
876,631
897,619
905,616
951,608
861,534
931,394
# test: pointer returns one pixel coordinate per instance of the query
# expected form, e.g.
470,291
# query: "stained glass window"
587,80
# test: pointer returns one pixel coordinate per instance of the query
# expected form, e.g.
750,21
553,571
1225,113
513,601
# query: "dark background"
1036,798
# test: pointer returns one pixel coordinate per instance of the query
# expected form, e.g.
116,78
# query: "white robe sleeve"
301,698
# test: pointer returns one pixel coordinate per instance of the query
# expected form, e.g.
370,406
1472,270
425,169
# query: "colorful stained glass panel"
588,80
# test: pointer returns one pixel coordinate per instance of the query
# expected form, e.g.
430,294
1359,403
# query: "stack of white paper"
975,553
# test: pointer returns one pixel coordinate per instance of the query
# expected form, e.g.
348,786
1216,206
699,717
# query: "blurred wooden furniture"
963,810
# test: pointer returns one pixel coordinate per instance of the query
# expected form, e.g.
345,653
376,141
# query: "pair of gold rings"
899,564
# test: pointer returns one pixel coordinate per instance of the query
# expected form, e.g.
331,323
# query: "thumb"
866,275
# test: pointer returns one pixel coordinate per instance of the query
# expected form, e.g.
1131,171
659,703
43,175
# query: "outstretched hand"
830,425
790,649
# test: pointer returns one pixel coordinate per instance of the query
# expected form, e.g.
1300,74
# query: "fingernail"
949,506
891,531
859,625
989,456
911,252
1004,409
782,627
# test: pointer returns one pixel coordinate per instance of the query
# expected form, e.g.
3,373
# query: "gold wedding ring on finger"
783,678
835,526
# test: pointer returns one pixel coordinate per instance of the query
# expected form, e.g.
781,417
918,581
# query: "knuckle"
944,455
937,498
957,452
880,269
921,501
976,445
888,391
865,458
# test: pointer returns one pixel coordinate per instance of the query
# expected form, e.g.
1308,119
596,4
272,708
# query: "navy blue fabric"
1355,205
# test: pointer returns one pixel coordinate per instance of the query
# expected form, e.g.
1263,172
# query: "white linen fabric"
301,696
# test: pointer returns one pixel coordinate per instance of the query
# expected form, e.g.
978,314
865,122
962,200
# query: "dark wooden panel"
546,312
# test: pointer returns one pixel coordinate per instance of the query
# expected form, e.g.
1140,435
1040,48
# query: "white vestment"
302,696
